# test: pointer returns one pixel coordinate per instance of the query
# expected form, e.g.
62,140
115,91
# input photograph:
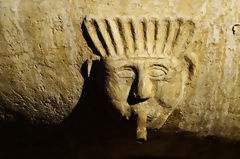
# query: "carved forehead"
136,60
143,62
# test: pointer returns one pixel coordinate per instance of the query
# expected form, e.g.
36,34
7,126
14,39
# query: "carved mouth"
149,113
147,106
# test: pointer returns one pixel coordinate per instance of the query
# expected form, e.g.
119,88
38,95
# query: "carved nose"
144,90
141,90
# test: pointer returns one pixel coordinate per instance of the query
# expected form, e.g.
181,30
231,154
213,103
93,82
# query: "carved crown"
124,37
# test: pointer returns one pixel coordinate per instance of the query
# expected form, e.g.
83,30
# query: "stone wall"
42,49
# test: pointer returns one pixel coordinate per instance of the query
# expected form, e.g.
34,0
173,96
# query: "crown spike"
145,29
106,33
91,29
116,35
133,31
184,38
174,30
121,32
109,29
101,38
139,36
162,35
151,37
129,37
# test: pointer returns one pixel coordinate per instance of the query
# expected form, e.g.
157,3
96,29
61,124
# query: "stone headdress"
124,37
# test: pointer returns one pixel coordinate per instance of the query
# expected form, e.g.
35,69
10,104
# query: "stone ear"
89,66
192,62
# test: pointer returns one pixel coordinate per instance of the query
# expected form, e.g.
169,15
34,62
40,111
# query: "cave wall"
42,50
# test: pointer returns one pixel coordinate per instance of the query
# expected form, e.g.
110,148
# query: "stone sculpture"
42,49
148,64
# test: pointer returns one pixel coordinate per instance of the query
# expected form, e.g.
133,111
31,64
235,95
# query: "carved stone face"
146,62
150,85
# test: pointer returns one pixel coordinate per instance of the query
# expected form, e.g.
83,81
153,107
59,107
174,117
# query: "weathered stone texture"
40,59
42,50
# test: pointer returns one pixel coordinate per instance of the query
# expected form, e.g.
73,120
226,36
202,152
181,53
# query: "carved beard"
156,112
150,114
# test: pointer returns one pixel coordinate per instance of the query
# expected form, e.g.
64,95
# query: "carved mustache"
143,111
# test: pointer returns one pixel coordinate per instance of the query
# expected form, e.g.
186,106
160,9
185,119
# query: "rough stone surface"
42,49
40,59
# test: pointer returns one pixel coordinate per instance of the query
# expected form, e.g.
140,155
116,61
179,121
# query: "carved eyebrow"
125,66
159,65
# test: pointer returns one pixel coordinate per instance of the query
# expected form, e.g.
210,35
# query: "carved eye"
157,72
126,73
